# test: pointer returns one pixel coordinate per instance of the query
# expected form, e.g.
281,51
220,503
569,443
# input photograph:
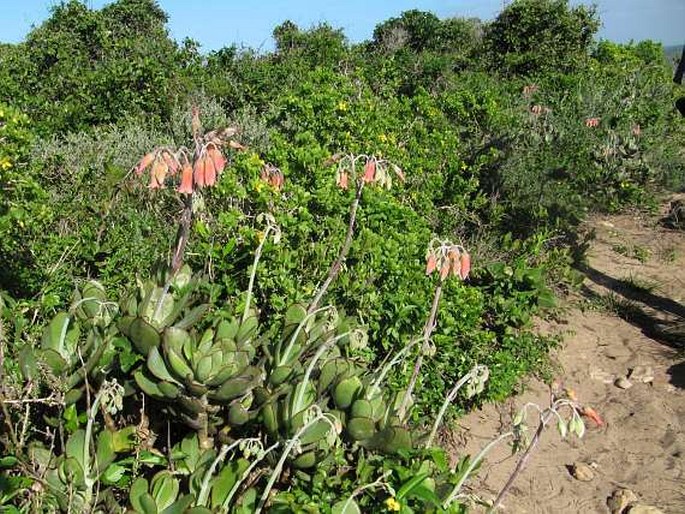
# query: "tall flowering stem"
197,169
191,170
376,171
446,259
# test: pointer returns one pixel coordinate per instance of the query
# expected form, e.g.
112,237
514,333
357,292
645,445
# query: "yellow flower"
392,505
259,186
342,106
383,138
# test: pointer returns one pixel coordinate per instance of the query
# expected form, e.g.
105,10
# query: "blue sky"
218,23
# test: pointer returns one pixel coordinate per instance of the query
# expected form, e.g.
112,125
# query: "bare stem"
337,265
186,220
450,398
427,331
473,464
523,461
177,260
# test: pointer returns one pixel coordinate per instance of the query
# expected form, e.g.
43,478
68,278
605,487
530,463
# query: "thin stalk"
279,466
427,331
310,369
450,398
337,265
253,273
87,478
375,386
246,473
523,461
182,236
457,487
204,489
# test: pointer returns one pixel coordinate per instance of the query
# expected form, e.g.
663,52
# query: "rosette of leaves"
159,304
303,363
77,343
199,374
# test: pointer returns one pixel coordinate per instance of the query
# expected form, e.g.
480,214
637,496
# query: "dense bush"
533,36
84,67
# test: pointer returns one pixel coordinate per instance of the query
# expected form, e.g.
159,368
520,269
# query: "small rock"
602,376
641,508
644,374
620,499
623,383
582,472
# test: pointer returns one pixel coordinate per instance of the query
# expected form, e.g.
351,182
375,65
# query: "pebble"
644,374
620,499
602,376
623,383
641,508
582,472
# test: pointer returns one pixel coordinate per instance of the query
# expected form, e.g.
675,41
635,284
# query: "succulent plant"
373,420
77,343
213,479
373,415
159,496
199,374
303,363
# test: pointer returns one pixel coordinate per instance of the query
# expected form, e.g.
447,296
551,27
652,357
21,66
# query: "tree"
85,67
531,36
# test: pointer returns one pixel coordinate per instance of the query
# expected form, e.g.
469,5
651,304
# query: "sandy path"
617,324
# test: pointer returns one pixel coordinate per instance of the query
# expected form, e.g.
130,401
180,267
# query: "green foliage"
84,67
532,36
507,135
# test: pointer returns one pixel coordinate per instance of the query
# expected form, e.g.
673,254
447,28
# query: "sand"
629,314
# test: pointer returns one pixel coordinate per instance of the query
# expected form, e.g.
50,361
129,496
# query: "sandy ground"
626,316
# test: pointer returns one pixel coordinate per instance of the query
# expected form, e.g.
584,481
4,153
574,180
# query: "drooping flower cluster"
272,176
537,110
376,171
530,90
448,258
199,170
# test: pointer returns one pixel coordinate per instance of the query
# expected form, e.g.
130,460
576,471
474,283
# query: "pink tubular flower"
370,171
199,173
186,186
343,180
